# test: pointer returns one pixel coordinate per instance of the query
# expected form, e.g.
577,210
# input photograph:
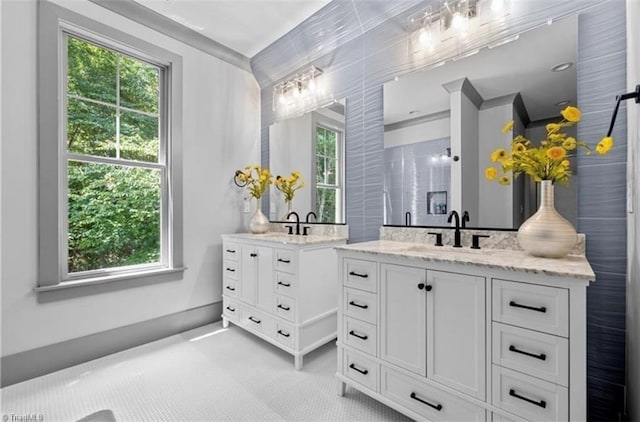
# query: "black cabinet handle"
540,403
233,289
438,407
421,286
231,309
355,368
541,356
286,308
353,333
286,261
231,270
357,305
284,284
531,308
428,287
253,254
257,321
282,333
231,250
358,275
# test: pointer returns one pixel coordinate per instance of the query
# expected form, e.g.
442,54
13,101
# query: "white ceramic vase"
289,206
259,223
546,233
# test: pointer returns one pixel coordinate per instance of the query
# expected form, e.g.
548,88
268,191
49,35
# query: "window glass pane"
331,172
320,169
138,85
138,137
91,71
326,205
114,216
320,141
91,128
331,144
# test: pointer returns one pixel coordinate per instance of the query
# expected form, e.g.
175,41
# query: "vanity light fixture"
561,66
296,89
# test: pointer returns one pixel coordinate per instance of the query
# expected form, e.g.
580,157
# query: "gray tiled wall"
363,45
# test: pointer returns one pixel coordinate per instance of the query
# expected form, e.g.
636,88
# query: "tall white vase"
258,223
546,233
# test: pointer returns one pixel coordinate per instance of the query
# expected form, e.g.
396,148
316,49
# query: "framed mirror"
441,125
312,145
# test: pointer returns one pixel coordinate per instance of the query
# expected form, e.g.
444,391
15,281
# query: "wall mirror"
441,124
313,145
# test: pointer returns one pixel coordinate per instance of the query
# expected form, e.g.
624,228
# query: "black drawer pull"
357,305
353,273
420,286
286,261
540,403
284,284
355,368
231,270
231,309
353,333
531,308
285,308
438,407
541,356
231,250
253,254
233,289
257,321
282,333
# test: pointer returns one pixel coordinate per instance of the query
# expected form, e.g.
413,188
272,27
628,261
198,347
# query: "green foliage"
114,211
326,172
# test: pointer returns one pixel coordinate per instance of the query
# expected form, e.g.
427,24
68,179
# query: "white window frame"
333,125
54,24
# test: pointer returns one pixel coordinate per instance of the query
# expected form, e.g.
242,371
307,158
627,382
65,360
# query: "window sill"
107,283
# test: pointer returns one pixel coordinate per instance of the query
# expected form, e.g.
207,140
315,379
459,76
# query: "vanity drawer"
360,274
360,335
285,307
284,334
231,252
531,306
230,269
528,397
360,305
361,369
285,283
286,261
230,309
536,354
258,321
229,287
430,402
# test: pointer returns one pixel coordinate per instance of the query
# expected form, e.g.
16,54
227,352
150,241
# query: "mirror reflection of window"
328,159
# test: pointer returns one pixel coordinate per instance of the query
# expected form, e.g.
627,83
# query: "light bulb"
497,6
312,85
458,22
281,98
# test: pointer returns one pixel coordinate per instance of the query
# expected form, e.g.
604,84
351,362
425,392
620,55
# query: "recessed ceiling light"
562,66
562,103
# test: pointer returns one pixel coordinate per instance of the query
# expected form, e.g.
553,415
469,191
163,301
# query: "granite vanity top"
575,266
287,239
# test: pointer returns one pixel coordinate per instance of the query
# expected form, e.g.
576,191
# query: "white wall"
221,134
427,131
468,164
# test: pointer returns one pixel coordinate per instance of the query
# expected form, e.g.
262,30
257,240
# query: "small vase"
546,233
289,205
259,223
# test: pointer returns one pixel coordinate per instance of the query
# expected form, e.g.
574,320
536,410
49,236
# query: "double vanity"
435,332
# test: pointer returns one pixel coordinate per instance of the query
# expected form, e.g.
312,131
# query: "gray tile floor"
206,374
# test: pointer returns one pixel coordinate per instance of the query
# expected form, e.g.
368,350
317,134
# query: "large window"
109,147
328,174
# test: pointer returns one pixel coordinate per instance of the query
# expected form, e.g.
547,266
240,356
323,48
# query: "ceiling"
246,26
522,66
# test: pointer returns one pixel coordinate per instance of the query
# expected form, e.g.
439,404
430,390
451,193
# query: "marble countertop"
287,239
575,266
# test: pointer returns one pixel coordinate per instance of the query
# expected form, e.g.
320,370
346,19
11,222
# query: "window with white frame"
108,144
328,161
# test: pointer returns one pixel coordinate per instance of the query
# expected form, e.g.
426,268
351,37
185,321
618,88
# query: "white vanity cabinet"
282,289
472,339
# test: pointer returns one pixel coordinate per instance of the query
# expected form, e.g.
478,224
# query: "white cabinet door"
456,335
256,276
402,317
248,272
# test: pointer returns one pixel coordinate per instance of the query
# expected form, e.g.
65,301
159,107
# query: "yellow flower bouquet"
548,160
289,185
256,178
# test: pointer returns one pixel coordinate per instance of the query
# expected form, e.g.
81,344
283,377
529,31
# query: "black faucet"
407,218
309,214
297,222
465,219
456,241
